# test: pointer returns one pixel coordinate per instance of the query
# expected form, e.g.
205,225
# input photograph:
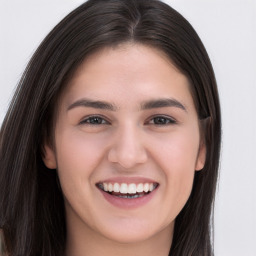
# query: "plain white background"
228,30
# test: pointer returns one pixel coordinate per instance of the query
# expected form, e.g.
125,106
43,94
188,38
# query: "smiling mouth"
127,191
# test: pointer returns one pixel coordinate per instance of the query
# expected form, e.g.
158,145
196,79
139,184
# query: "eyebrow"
93,104
161,103
150,104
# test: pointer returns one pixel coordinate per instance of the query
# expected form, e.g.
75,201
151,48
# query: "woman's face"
126,123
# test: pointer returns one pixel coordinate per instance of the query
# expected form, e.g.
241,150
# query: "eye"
162,120
94,120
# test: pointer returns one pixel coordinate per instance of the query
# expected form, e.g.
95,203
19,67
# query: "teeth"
146,187
140,188
151,187
125,188
130,196
132,189
105,186
110,187
116,188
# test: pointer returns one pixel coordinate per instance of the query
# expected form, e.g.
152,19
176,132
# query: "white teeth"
105,186
140,188
132,189
116,188
110,187
125,188
146,187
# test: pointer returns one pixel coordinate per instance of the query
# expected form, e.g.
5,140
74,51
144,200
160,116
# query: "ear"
49,157
201,157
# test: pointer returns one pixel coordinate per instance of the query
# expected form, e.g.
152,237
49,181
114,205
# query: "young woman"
111,142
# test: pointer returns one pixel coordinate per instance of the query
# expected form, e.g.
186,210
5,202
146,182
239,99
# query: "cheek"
77,149
179,167
177,162
179,150
78,156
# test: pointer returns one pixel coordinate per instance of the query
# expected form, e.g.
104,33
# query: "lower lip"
128,203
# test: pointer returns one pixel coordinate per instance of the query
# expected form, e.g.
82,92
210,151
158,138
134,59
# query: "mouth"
127,191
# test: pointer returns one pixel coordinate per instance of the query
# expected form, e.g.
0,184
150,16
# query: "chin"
134,231
129,237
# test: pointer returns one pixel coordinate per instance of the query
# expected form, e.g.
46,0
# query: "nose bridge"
128,148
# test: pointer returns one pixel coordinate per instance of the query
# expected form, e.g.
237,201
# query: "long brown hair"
32,214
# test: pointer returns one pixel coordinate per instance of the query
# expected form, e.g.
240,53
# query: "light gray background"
228,30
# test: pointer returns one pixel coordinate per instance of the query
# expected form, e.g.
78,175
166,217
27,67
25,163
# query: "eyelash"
90,120
162,120
157,120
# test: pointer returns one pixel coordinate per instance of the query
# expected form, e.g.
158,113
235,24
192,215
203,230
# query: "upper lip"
128,180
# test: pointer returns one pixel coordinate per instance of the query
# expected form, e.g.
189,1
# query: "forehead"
125,73
126,57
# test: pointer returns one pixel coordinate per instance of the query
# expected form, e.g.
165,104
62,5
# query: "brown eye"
162,120
94,120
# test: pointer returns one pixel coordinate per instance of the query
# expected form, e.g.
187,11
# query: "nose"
128,149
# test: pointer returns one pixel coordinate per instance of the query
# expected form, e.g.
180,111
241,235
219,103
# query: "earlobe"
49,157
201,157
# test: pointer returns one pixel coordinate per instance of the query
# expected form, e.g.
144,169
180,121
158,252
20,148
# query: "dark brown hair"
32,214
